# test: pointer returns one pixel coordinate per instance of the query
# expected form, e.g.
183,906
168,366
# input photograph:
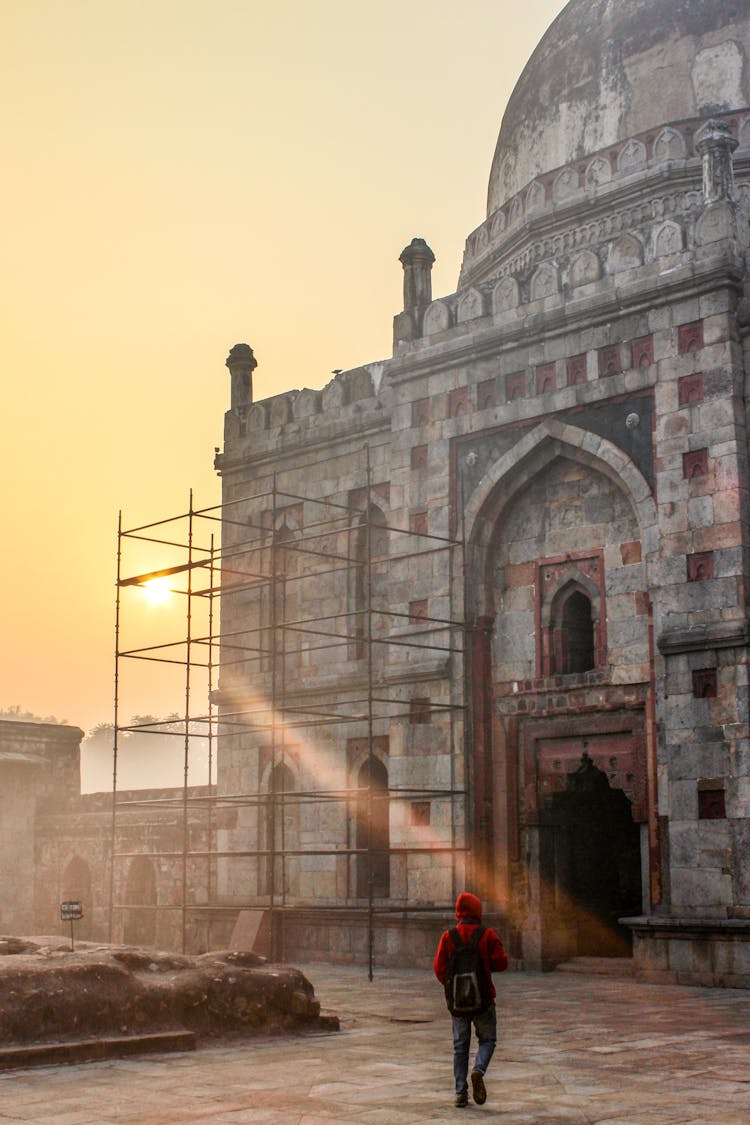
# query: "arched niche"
372,829
598,172
369,549
140,902
668,239
584,269
669,145
499,223
280,834
545,282
536,198
506,295
437,318
566,185
306,404
632,157
470,306
625,253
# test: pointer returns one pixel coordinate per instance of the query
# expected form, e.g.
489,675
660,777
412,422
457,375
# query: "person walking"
466,958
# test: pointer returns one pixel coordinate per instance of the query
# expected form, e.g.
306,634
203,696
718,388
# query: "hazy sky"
180,175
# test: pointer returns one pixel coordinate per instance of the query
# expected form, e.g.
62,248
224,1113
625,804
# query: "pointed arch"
372,829
551,439
280,833
369,549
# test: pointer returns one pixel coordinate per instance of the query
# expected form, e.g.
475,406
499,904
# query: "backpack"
468,990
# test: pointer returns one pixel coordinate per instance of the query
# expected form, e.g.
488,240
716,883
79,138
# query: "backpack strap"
478,934
455,937
475,938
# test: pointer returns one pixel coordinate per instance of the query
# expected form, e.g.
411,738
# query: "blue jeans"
485,1025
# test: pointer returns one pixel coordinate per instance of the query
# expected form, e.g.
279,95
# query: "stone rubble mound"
49,993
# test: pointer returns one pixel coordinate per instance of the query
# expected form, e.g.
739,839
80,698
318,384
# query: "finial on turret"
241,363
417,259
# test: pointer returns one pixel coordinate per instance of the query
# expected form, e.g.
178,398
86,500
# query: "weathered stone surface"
48,992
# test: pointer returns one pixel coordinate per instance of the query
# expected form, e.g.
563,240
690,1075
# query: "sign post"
71,912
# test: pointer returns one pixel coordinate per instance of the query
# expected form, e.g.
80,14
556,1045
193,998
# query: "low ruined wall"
713,952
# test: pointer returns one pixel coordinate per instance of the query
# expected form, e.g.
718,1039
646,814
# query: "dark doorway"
372,831
590,862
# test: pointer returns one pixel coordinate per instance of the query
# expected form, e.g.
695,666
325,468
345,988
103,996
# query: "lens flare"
157,591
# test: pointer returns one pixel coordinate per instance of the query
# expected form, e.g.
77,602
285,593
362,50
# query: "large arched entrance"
560,672
590,867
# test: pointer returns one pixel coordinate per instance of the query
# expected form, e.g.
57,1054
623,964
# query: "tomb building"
484,616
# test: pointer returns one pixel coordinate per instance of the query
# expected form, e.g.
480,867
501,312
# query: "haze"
180,177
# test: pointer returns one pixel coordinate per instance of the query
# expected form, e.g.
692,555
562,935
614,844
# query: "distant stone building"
570,428
56,846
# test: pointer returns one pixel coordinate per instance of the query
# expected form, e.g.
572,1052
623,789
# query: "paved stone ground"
572,1048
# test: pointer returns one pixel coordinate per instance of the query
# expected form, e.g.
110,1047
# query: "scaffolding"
291,635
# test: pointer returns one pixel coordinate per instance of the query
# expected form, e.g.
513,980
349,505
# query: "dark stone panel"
476,453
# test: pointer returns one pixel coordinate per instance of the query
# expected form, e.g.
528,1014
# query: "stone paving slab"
572,1049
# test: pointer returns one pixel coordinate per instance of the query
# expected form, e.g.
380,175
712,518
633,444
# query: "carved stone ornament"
436,319
470,306
667,240
632,157
545,282
584,269
625,253
505,295
669,145
598,172
536,198
566,185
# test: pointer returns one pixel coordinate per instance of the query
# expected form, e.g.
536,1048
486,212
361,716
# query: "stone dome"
607,70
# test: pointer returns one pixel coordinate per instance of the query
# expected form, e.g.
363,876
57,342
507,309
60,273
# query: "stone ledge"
689,927
732,634
94,1050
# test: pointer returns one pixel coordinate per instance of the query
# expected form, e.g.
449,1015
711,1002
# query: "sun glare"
156,590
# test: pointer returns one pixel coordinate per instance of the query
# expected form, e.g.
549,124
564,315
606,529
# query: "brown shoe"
462,1100
478,1088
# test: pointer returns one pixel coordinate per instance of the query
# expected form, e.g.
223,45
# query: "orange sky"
181,175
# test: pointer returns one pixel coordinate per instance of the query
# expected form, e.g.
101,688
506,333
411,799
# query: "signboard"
71,911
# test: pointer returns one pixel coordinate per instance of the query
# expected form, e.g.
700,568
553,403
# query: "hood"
468,906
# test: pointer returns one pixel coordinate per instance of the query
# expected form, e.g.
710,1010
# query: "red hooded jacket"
469,915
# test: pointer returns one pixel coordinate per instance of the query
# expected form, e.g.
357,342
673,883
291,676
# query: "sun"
157,591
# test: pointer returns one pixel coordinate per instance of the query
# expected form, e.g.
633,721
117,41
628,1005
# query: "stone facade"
570,425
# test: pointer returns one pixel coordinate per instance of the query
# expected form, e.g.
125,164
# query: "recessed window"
420,814
711,804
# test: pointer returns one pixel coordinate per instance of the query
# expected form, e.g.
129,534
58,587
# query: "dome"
607,70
